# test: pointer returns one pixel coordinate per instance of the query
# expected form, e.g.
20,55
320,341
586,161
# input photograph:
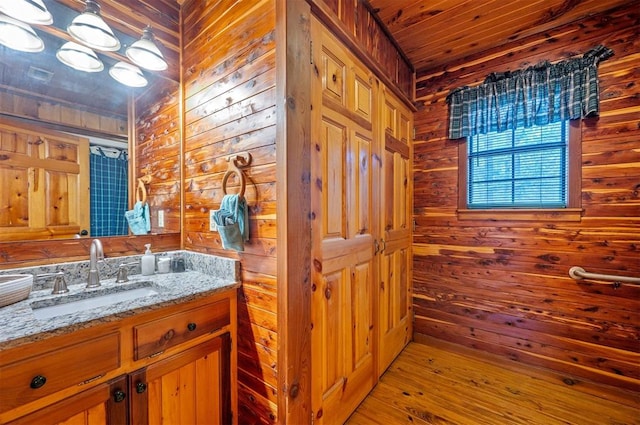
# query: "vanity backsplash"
76,272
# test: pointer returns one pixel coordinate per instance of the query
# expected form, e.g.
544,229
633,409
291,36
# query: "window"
535,168
526,167
532,174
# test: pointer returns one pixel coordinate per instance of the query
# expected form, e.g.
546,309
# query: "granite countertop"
19,324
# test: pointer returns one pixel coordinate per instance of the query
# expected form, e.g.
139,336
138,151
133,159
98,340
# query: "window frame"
573,211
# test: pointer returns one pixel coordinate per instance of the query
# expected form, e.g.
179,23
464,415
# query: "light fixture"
79,57
145,53
89,28
29,11
127,74
17,35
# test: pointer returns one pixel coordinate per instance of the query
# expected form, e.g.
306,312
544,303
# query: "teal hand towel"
138,219
232,220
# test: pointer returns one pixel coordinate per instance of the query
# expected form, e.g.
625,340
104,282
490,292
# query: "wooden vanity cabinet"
189,377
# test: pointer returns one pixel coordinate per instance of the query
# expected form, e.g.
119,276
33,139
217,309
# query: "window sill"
521,214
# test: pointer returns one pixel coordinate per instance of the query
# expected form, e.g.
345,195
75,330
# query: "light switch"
160,218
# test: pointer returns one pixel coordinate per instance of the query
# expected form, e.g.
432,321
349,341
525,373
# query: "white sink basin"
86,301
14,288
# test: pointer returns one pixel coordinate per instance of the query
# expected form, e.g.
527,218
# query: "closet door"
394,292
343,368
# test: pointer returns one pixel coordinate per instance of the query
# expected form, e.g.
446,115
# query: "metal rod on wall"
578,273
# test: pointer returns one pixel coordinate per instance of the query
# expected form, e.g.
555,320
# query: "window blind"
521,168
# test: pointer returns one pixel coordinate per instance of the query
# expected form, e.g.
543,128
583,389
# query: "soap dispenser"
148,261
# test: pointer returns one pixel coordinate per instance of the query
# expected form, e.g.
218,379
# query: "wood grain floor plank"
441,384
494,386
375,412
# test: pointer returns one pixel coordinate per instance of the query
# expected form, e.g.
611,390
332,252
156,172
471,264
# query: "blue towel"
138,219
232,220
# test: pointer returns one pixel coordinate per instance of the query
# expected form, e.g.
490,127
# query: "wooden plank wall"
503,287
34,108
158,153
229,94
359,23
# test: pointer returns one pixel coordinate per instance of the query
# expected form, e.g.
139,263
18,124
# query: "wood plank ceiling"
435,33
431,33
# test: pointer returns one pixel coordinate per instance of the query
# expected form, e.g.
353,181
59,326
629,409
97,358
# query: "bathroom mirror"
38,89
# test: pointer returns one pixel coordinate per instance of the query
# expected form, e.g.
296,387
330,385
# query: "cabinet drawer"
156,336
64,367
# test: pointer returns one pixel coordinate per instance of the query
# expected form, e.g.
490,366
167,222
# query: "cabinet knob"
141,387
191,326
38,381
119,396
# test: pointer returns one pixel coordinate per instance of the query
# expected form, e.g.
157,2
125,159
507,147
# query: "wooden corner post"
293,82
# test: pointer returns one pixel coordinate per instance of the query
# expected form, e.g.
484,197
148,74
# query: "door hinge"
311,52
414,133
414,224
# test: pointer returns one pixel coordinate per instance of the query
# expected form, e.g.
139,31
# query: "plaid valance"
537,95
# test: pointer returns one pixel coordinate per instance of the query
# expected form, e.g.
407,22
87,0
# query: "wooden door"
45,183
342,231
192,387
394,292
105,404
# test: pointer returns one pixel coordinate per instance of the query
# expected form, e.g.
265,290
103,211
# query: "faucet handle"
122,276
59,284
123,272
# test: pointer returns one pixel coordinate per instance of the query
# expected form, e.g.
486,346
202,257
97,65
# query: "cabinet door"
192,387
394,292
342,234
45,183
101,405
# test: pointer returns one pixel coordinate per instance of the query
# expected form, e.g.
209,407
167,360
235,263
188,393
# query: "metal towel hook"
237,161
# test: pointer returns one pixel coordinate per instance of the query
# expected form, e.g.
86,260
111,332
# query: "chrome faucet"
96,254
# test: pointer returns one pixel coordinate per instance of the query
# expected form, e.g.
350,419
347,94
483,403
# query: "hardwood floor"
442,383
